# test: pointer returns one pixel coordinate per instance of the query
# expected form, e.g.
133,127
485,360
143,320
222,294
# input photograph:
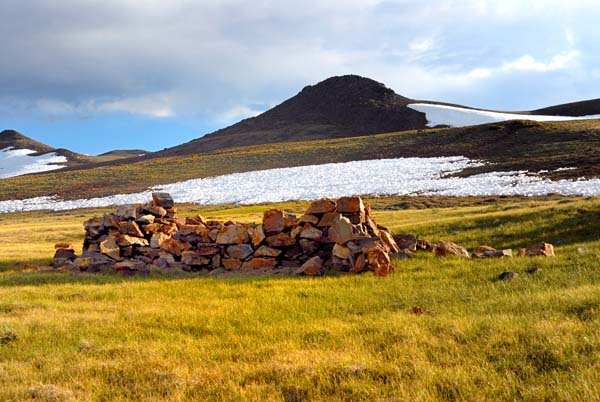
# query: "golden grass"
346,338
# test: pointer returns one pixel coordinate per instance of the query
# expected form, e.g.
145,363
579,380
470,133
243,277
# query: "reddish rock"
371,226
130,228
264,251
327,219
154,210
309,219
296,231
311,233
163,200
378,261
231,263
145,219
448,248
172,246
360,264
196,220
258,263
312,267
341,231
274,221
540,249
233,234
186,230
280,240
208,250
320,207
215,261
406,242
351,205
240,251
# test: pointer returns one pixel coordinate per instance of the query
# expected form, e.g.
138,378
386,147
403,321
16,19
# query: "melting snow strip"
402,176
17,162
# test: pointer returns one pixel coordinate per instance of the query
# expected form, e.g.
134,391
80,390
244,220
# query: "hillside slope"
337,107
582,108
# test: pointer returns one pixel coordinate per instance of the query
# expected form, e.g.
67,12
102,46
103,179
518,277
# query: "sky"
97,75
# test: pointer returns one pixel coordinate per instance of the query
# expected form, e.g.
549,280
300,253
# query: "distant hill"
582,108
12,138
337,107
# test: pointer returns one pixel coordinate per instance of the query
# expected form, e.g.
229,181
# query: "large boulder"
341,231
320,207
274,221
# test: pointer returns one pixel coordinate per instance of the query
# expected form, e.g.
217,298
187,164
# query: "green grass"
346,338
508,146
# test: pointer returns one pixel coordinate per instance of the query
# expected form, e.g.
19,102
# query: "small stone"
389,241
240,251
173,246
163,200
582,250
126,240
145,219
508,276
448,248
127,212
156,211
406,242
327,219
69,254
258,235
208,250
186,230
312,267
540,249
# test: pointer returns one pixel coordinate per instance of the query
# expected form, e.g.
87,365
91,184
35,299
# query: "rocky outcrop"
336,236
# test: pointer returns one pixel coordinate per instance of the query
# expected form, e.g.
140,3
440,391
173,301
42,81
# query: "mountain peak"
350,85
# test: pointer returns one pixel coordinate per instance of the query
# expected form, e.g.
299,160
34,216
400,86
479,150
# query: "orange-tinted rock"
233,234
145,219
208,250
406,242
130,228
296,231
350,205
264,251
186,230
66,246
157,239
259,262
540,249
196,220
231,263
448,248
280,240
163,200
389,241
378,261
127,240
327,219
110,248
360,264
341,231
258,235
274,221
127,212
312,267
320,207
341,251
154,210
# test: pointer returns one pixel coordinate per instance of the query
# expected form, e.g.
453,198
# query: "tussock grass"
346,338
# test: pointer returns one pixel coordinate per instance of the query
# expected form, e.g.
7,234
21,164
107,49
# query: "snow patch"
459,117
17,162
402,176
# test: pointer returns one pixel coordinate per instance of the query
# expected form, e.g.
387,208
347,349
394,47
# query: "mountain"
582,108
337,107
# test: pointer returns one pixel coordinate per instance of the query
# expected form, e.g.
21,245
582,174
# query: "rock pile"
331,236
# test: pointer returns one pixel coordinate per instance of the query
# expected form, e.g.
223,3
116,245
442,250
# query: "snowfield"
16,162
459,117
402,176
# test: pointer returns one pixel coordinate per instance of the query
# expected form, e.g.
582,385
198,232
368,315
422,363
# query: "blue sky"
93,76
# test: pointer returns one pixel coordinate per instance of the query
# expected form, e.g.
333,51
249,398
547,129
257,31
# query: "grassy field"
347,338
508,146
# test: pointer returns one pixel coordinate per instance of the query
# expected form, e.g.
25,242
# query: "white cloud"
421,45
529,63
157,105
